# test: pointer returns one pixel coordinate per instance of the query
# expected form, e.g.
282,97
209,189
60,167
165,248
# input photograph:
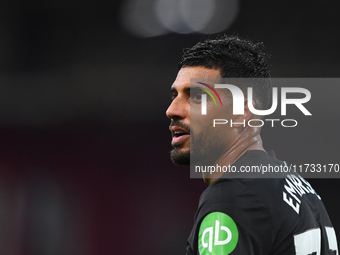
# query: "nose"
177,109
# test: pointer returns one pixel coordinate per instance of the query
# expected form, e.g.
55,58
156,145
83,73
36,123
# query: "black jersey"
261,216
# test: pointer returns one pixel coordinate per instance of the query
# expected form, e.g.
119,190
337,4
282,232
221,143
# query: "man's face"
205,140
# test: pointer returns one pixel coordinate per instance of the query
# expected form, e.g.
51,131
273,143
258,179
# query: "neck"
243,144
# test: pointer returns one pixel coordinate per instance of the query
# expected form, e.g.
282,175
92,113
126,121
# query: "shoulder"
233,205
247,200
245,194
232,191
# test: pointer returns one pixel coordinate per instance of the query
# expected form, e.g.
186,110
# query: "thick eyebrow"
196,89
185,90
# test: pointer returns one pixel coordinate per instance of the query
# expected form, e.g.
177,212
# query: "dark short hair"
235,58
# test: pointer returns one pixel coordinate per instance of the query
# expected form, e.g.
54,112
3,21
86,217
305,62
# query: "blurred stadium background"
84,87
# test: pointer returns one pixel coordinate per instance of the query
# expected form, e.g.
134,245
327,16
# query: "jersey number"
309,242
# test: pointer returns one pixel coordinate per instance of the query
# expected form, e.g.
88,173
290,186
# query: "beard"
204,150
180,158
178,155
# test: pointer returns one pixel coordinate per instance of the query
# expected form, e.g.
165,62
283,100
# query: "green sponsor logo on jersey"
218,234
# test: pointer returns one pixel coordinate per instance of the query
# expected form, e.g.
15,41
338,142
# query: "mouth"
178,135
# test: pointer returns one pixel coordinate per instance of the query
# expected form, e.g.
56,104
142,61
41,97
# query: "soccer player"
241,215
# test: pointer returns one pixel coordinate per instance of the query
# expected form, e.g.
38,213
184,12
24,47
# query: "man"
240,215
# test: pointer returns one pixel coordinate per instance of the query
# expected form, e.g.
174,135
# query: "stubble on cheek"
206,147
199,147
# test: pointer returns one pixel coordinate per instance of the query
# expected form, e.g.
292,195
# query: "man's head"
234,57
223,57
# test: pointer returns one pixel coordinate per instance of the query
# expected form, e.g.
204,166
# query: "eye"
174,95
196,95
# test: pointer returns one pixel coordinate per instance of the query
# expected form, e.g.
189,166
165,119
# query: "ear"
241,119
